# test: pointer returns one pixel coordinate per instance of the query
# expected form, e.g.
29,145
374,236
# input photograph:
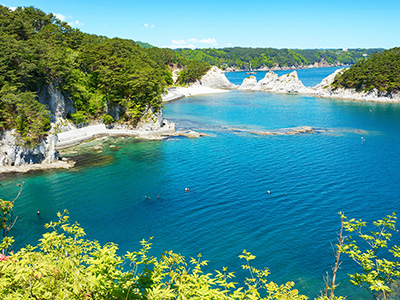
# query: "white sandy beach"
181,92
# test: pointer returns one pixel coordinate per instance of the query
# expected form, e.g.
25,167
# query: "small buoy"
38,212
269,192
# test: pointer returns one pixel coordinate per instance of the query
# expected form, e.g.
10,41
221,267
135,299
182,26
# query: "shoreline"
177,93
74,137
293,68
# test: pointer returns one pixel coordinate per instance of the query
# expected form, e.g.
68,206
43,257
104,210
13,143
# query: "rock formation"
324,89
289,83
13,155
59,105
249,84
215,78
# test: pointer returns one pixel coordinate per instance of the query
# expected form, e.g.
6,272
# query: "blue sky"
218,24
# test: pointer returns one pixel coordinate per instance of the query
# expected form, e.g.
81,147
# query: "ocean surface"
275,196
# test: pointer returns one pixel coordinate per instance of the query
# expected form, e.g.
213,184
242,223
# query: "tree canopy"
381,71
95,72
241,58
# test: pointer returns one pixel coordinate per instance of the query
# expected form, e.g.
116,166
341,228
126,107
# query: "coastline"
74,137
175,94
284,68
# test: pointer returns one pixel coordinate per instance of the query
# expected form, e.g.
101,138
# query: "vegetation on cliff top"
95,72
381,71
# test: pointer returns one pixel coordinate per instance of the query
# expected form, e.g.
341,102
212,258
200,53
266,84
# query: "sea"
278,197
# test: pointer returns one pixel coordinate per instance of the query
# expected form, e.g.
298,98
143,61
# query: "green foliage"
380,71
64,265
193,71
380,267
107,119
25,114
269,57
95,72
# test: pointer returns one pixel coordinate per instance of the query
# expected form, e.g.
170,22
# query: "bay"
136,189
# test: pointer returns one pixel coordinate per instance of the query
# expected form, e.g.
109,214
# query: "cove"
131,189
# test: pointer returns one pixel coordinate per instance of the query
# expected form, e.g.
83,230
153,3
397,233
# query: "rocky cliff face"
324,89
13,155
59,105
215,78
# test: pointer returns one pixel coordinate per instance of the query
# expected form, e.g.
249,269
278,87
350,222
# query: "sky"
279,24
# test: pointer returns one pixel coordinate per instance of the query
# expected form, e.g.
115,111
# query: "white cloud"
191,43
210,41
76,24
71,23
12,8
149,26
60,17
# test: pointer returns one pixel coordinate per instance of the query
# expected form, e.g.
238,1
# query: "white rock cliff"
13,155
215,78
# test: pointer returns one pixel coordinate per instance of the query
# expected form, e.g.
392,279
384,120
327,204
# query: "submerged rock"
301,130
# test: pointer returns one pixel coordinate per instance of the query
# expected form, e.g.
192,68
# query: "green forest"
380,71
95,72
241,58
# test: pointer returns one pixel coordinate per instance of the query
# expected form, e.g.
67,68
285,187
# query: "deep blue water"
137,189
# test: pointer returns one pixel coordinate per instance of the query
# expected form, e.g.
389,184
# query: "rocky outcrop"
285,84
215,78
13,155
249,84
151,120
288,83
59,105
324,89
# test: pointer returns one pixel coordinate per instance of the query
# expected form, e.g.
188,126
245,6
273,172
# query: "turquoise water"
136,189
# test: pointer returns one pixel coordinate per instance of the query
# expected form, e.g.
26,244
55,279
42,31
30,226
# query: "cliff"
11,154
324,89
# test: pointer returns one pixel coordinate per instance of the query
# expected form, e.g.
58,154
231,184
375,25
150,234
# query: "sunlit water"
136,189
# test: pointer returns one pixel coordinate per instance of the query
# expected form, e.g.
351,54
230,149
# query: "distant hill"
241,58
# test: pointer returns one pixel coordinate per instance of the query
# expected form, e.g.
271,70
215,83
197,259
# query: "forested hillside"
241,58
95,72
381,71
